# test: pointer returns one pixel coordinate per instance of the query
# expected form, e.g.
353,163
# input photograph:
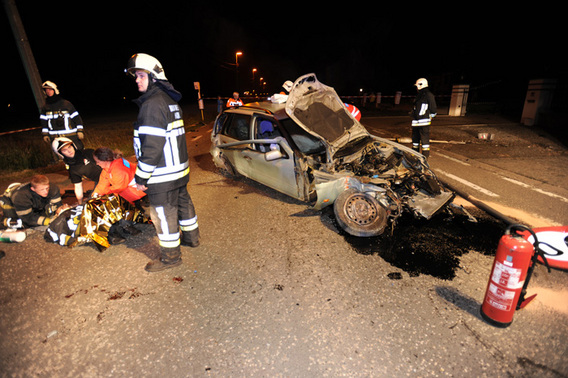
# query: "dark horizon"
85,53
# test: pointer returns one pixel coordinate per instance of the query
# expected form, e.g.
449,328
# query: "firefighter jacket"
424,108
59,118
82,165
33,209
159,140
119,179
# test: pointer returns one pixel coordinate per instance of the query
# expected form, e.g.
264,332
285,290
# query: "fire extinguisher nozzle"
525,302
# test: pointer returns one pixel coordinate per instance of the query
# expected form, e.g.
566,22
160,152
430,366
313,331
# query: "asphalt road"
273,290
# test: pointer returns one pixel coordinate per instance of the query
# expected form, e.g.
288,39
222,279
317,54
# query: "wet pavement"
276,290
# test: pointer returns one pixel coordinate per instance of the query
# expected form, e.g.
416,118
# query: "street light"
253,84
262,84
237,54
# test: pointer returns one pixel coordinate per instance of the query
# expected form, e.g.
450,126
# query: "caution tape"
19,131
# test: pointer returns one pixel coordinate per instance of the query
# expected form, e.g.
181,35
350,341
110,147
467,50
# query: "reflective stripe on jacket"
60,118
424,108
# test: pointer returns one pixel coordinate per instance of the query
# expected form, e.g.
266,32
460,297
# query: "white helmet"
50,85
146,63
288,85
421,83
60,142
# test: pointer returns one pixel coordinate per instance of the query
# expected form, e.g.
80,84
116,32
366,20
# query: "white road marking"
470,184
520,183
527,186
453,159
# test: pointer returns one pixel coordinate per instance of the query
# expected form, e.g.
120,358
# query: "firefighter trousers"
174,218
421,137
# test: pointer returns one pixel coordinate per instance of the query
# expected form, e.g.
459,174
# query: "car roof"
276,110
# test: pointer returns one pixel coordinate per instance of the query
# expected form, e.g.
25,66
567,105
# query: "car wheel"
359,214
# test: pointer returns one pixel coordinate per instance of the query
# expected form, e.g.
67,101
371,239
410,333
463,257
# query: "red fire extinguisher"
512,268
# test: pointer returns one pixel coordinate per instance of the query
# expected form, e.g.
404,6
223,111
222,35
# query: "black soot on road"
433,246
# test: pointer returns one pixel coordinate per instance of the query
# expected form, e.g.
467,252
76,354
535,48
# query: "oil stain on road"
434,246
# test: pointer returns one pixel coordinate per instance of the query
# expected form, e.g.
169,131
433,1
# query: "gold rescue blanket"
92,221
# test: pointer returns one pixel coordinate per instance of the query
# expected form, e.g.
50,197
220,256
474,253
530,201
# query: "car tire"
359,214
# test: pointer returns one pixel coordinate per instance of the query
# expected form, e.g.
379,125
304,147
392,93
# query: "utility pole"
25,52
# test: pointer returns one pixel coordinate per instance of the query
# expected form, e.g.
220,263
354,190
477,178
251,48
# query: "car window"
306,143
219,122
237,126
265,128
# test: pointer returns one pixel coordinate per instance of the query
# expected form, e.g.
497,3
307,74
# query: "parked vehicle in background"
308,145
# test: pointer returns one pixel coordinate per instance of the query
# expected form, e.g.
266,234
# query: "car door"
278,174
236,128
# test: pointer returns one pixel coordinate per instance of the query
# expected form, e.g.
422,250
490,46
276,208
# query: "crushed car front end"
370,181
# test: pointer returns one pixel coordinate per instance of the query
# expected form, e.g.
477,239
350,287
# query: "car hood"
318,109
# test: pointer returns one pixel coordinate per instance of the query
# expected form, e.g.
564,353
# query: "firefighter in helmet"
59,118
80,164
424,110
163,161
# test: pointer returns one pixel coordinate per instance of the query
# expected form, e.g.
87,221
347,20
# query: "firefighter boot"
190,238
170,258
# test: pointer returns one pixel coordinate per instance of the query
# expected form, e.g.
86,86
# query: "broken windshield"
305,142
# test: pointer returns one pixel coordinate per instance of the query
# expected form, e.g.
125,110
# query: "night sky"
84,51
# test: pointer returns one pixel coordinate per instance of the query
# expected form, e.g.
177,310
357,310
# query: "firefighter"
36,203
59,118
163,161
424,110
79,163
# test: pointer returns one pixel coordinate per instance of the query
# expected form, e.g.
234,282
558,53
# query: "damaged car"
307,145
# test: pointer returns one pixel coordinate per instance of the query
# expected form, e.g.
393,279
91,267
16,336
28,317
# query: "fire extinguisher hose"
537,249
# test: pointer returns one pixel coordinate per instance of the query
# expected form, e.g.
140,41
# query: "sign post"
199,99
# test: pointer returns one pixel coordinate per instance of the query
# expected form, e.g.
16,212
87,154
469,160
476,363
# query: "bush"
19,151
